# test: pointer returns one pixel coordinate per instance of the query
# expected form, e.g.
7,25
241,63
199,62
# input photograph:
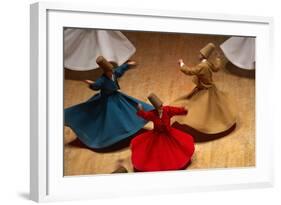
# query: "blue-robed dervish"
109,116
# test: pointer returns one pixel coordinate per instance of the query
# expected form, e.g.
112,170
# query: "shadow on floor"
84,75
117,146
239,71
183,168
199,136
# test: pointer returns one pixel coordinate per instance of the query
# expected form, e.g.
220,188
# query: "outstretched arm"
188,70
147,115
177,111
121,70
94,85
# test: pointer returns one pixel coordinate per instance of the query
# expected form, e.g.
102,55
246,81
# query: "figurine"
240,51
210,110
109,116
163,148
83,46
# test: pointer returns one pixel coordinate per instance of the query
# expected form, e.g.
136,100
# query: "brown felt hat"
207,50
120,169
155,101
104,64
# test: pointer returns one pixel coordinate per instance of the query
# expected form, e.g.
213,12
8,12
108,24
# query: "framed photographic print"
127,102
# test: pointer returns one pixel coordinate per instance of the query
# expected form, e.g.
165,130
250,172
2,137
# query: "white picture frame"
47,182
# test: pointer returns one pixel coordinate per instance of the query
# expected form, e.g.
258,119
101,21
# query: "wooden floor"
157,71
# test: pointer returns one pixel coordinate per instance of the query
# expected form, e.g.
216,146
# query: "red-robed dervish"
163,148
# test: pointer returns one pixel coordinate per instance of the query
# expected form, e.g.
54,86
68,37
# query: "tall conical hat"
104,64
155,101
207,50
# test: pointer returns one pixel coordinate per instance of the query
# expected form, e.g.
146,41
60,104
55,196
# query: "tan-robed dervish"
210,111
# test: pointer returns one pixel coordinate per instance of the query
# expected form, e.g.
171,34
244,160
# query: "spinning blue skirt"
108,117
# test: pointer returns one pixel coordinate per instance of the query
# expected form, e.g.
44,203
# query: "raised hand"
140,107
180,62
88,81
131,62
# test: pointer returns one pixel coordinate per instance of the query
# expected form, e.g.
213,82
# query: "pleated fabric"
163,148
108,117
240,51
83,46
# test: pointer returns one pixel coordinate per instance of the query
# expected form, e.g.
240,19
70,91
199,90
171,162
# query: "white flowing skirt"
83,46
240,51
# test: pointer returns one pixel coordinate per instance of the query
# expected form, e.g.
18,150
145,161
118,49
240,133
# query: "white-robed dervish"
83,46
240,51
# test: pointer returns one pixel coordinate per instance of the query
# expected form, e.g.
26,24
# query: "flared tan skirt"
210,111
